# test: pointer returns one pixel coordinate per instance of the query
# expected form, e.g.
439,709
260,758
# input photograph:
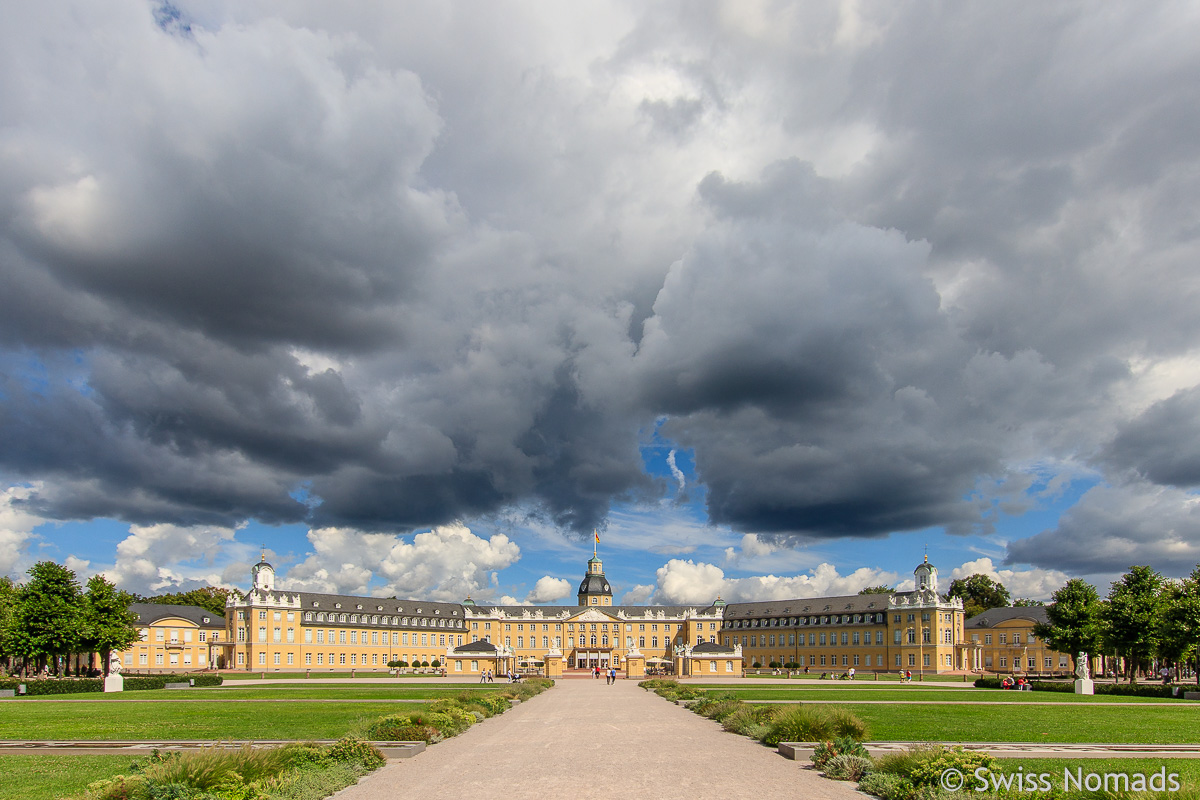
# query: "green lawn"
993,722
277,692
315,675
216,720
842,693
48,777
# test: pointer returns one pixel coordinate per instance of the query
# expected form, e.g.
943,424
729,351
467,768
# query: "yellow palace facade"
270,629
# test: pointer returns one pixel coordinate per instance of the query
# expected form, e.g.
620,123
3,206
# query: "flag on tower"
597,535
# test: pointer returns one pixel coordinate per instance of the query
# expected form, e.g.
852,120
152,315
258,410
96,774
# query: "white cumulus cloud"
681,581
549,589
446,563
1033,584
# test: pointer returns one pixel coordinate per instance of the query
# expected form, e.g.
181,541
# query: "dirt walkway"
588,739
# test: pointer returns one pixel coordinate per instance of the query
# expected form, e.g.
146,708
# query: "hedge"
1117,689
132,683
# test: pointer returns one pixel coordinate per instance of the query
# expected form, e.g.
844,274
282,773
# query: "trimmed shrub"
658,683
346,751
207,680
886,785
825,751
846,724
45,686
848,767
749,720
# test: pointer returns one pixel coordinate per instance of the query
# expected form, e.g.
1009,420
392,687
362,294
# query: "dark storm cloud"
1113,528
1163,443
439,261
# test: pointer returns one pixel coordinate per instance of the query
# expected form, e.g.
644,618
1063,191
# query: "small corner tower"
926,576
594,590
262,575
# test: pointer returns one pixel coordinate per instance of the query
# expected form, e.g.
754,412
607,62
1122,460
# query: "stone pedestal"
114,683
635,665
1084,686
552,663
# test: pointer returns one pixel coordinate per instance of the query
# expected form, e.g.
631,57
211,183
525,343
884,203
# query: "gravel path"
584,738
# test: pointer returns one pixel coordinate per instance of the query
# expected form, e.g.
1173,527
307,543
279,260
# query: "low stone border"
802,751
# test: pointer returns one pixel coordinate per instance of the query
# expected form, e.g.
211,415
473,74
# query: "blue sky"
420,295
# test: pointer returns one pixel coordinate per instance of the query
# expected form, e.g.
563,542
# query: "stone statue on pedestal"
1083,683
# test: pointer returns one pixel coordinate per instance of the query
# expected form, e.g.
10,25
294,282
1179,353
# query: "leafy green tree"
881,589
979,593
1131,616
108,624
1179,637
211,598
9,597
1025,602
1074,620
47,619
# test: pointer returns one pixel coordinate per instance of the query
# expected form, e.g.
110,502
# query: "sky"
776,297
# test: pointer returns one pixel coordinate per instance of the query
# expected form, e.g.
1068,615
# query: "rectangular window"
277,635
187,659
1004,638
729,666
320,658
341,637
912,660
896,634
320,637
262,659
341,658
353,658
308,635
159,635
353,637
308,659
845,640
241,658
142,659
1004,661
925,660
1016,638
291,634
987,638
262,633
276,659
822,661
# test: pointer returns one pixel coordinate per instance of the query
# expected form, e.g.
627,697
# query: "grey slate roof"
994,616
712,649
149,613
809,606
479,647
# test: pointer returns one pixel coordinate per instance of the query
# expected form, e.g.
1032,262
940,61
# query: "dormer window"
337,605
359,606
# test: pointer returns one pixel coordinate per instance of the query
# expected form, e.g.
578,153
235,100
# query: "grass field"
152,721
1143,724
48,777
280,692
320,675
907,695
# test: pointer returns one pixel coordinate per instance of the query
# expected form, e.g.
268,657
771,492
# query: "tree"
1074,620
881,589
1179,637
108,624
9,597
979,593
211,598
1131,617
1025,602
46,622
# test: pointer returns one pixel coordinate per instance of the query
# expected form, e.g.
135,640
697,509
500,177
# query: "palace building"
271,628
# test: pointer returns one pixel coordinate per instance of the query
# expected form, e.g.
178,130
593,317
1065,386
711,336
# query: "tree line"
1146,619
50,618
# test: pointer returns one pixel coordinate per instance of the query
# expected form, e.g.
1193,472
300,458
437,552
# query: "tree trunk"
105,656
